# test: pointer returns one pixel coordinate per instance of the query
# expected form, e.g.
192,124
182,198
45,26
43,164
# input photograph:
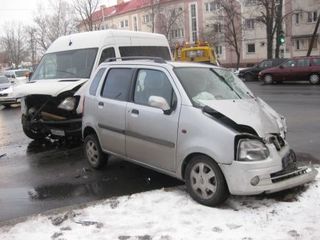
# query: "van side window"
107,53
117,84
150,51
153,83
95,82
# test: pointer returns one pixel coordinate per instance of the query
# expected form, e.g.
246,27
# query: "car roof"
151,62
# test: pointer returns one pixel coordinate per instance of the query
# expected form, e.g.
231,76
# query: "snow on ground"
170,214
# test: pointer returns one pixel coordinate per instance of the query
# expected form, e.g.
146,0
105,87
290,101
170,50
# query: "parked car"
6,89
17,76
51,103
189,121
295,69
251,74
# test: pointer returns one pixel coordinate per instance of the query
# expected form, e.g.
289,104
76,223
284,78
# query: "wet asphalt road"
38,176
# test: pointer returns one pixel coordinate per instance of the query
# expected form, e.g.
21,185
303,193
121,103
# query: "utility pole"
279,31
313,37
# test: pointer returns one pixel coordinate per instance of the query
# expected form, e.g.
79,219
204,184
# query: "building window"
126,23
312,16
135,24
217,27
219,50
193,15
251,48
297,18
122,24
249,23
212,6
177,33
250,2
146,18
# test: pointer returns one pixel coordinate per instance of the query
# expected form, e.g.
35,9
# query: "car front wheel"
205,181
314,79
30,132
268,79
95,156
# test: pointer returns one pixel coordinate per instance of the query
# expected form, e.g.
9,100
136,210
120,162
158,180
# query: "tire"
267,79
205,181
248,77
95,156
314,79
31,133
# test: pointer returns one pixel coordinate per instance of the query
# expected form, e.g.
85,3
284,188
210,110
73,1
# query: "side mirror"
160,102
281,66
13,76
29,75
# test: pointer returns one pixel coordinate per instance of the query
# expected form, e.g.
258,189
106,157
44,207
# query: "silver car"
198,123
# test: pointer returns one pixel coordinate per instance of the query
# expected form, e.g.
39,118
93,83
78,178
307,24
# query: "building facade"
190,20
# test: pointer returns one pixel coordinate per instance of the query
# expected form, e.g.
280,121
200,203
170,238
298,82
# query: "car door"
302,70
285,71
152,134
111,109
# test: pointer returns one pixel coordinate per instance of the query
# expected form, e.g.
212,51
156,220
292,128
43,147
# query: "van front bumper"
268,176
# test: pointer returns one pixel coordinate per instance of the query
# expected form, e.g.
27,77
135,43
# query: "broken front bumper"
268,176
8,100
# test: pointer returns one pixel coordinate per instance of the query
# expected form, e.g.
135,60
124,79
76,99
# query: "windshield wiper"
225,82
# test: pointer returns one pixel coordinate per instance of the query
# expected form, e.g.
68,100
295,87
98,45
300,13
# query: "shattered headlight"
252,150
68,104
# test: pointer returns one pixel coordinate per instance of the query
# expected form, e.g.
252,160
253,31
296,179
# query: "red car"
295,69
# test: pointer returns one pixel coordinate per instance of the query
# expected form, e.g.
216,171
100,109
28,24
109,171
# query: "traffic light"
282,38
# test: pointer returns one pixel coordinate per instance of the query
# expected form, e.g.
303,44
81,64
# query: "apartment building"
191,20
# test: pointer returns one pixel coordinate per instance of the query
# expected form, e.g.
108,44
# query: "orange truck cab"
200,52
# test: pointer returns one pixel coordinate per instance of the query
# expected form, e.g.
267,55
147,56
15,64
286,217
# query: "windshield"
21,73
69,64
211,84
4,80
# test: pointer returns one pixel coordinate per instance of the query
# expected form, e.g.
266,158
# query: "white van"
51,104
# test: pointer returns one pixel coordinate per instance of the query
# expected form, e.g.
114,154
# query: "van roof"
102,38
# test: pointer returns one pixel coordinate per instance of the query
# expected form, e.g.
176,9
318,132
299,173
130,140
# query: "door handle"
100,104
135,111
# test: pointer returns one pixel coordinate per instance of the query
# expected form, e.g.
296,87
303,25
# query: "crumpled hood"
47,87
250,112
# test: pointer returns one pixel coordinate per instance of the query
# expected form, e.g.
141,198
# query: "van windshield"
211,84
69,64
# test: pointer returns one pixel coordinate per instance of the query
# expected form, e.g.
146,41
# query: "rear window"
316,61
95,82
148,51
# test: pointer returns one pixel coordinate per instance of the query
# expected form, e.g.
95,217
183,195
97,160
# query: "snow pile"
171,214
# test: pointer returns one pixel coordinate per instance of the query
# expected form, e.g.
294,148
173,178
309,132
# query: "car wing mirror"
281,66
160,102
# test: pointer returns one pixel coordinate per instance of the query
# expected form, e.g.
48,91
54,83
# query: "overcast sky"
23,10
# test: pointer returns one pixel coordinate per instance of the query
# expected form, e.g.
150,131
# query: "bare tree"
51,26
313,38
168,20
32,43
84,10
14,44
227,26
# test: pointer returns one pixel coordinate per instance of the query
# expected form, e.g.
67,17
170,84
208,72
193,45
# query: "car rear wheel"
205,181
268,79
314,79
95,156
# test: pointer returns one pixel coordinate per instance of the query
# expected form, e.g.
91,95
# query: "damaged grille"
277,141
281,176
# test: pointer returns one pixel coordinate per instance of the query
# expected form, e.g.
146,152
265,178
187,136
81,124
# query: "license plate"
57,132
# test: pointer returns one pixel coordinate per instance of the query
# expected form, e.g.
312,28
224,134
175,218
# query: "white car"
196,122
6,92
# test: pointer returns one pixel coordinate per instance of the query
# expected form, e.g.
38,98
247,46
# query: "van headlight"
68,104
252,150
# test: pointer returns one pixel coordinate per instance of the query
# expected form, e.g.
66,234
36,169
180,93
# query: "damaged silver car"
195,122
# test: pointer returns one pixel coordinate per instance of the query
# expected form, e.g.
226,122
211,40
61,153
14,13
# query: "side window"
266,64
151,51
107,53
117,84
290,63
95,82
316,61
303,62
153,83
